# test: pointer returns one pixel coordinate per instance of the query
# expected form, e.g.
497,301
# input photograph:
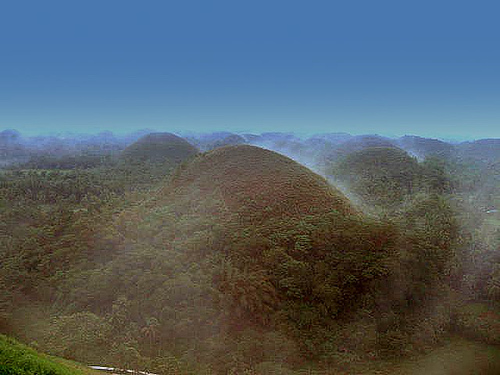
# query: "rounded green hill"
158,148
379,175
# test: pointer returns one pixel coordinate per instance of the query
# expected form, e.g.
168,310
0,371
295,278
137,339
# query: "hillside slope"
19,359
256,182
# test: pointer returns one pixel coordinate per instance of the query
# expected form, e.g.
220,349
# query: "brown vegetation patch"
253,180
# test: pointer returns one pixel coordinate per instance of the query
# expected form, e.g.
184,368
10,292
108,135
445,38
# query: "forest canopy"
264,254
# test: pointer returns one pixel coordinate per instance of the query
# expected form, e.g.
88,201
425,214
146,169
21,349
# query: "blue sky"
393,68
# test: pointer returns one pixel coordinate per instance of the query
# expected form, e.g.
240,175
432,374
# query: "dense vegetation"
385,178
240,260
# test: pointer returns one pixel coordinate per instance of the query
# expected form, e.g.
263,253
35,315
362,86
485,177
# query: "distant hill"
252,138
9,136
278,136
11,149
159,148
276,141
423,147
357,143
230,140
332,138
360,142
379,175
209,141
485,150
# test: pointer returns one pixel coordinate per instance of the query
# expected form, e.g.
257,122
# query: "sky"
430,68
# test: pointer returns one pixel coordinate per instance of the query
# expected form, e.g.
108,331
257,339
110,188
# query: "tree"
150,331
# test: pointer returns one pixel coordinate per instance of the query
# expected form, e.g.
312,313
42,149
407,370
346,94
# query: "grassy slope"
16,358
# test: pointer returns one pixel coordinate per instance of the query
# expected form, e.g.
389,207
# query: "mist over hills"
379,175
422,147
209,141
16,148
230,253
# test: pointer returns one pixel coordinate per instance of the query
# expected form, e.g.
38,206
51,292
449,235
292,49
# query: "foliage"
16,358
242,261
388,177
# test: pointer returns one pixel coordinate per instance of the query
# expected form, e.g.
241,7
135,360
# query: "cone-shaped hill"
159,148
243,239
380,175
254,181
270,233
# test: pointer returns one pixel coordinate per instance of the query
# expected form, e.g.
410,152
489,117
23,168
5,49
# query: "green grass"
19,359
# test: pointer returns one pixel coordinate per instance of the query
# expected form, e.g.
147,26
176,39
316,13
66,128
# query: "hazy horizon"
188,132
364,68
